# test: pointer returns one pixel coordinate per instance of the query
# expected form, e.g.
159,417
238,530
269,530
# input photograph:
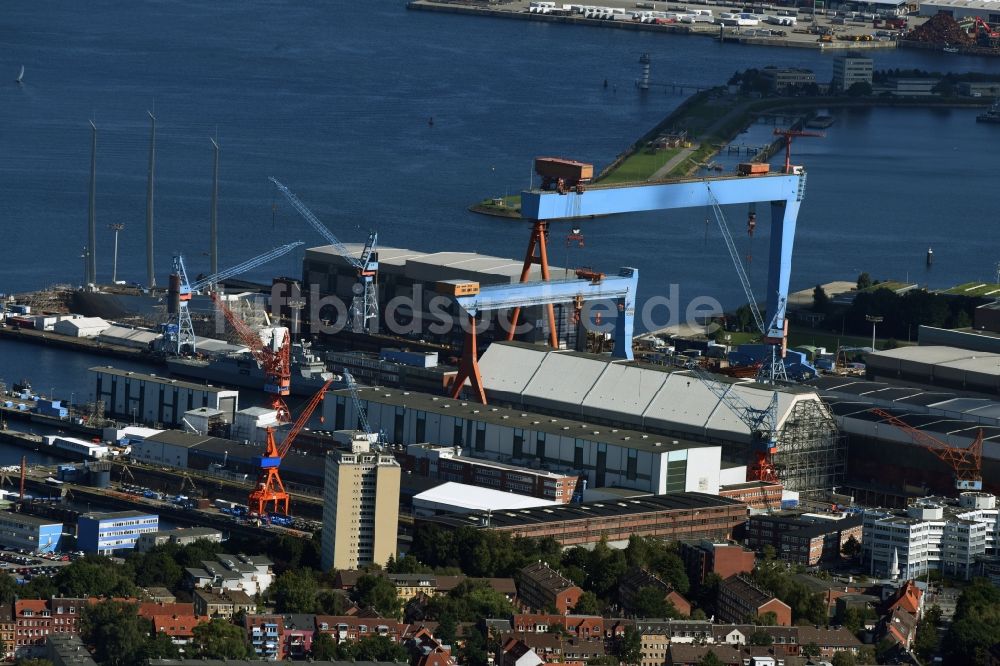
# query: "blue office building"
18,530
105,533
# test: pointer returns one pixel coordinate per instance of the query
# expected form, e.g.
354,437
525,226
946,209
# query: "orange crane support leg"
469,367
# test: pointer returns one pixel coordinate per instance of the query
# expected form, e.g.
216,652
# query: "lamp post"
114,265
874,319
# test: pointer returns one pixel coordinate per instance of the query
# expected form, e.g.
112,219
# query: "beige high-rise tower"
360,507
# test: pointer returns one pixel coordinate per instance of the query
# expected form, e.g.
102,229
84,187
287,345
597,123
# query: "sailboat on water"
20,76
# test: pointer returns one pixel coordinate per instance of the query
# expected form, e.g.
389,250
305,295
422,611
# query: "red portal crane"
967,464
274,360
269,488
789,134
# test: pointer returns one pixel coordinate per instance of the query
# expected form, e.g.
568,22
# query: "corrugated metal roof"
640,395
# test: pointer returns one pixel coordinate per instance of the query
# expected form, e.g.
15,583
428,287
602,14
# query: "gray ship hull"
240,373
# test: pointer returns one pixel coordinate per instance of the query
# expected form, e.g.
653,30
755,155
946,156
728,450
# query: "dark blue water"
335,103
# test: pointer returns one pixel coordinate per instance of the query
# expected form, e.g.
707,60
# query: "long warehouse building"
605,456
667,402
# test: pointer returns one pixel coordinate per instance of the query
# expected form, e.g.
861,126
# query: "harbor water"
337,104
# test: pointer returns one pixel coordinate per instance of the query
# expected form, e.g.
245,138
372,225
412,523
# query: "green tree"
219,639
975,626
843,658
934,615
762,638
159,646
710,659
769,553
294,592
379,593
94,576
821,302
926,642
331,602
629,647
408,565
744,315
698,614
587,604
860,89
324,648
768,619
810,650
157,567
851,547
864,281
375,648
32,662
116,631
650,602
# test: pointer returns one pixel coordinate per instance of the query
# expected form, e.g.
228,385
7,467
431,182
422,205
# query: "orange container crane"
789,134
276,362
269,488
966,464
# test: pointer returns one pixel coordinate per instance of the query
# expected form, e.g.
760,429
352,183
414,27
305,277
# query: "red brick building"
540,587
803,538
723,559
755,494
636,579
353,627
35,619
741,600
578,626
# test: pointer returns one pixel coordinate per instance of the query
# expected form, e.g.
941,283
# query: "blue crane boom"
316,224
763,423
363,315
179,331
362,416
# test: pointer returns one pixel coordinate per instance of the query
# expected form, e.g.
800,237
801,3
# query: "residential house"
899,626
411,586
345,628
830,640
8,630
583,627
67,650
178,627
249,573
33,623
784,639
516,652
691,655
910,598
429,651
741,599
223,604
635,579
265,633
540,587
298,635
655,641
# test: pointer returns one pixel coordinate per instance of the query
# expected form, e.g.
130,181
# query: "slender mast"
150,275
214,235
92,215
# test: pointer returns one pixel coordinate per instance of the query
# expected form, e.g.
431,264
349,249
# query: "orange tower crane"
269,488
789,134
274,359
967,464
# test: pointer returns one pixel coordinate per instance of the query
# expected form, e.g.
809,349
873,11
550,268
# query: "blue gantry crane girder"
179,332
784,191
619,288
363,315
